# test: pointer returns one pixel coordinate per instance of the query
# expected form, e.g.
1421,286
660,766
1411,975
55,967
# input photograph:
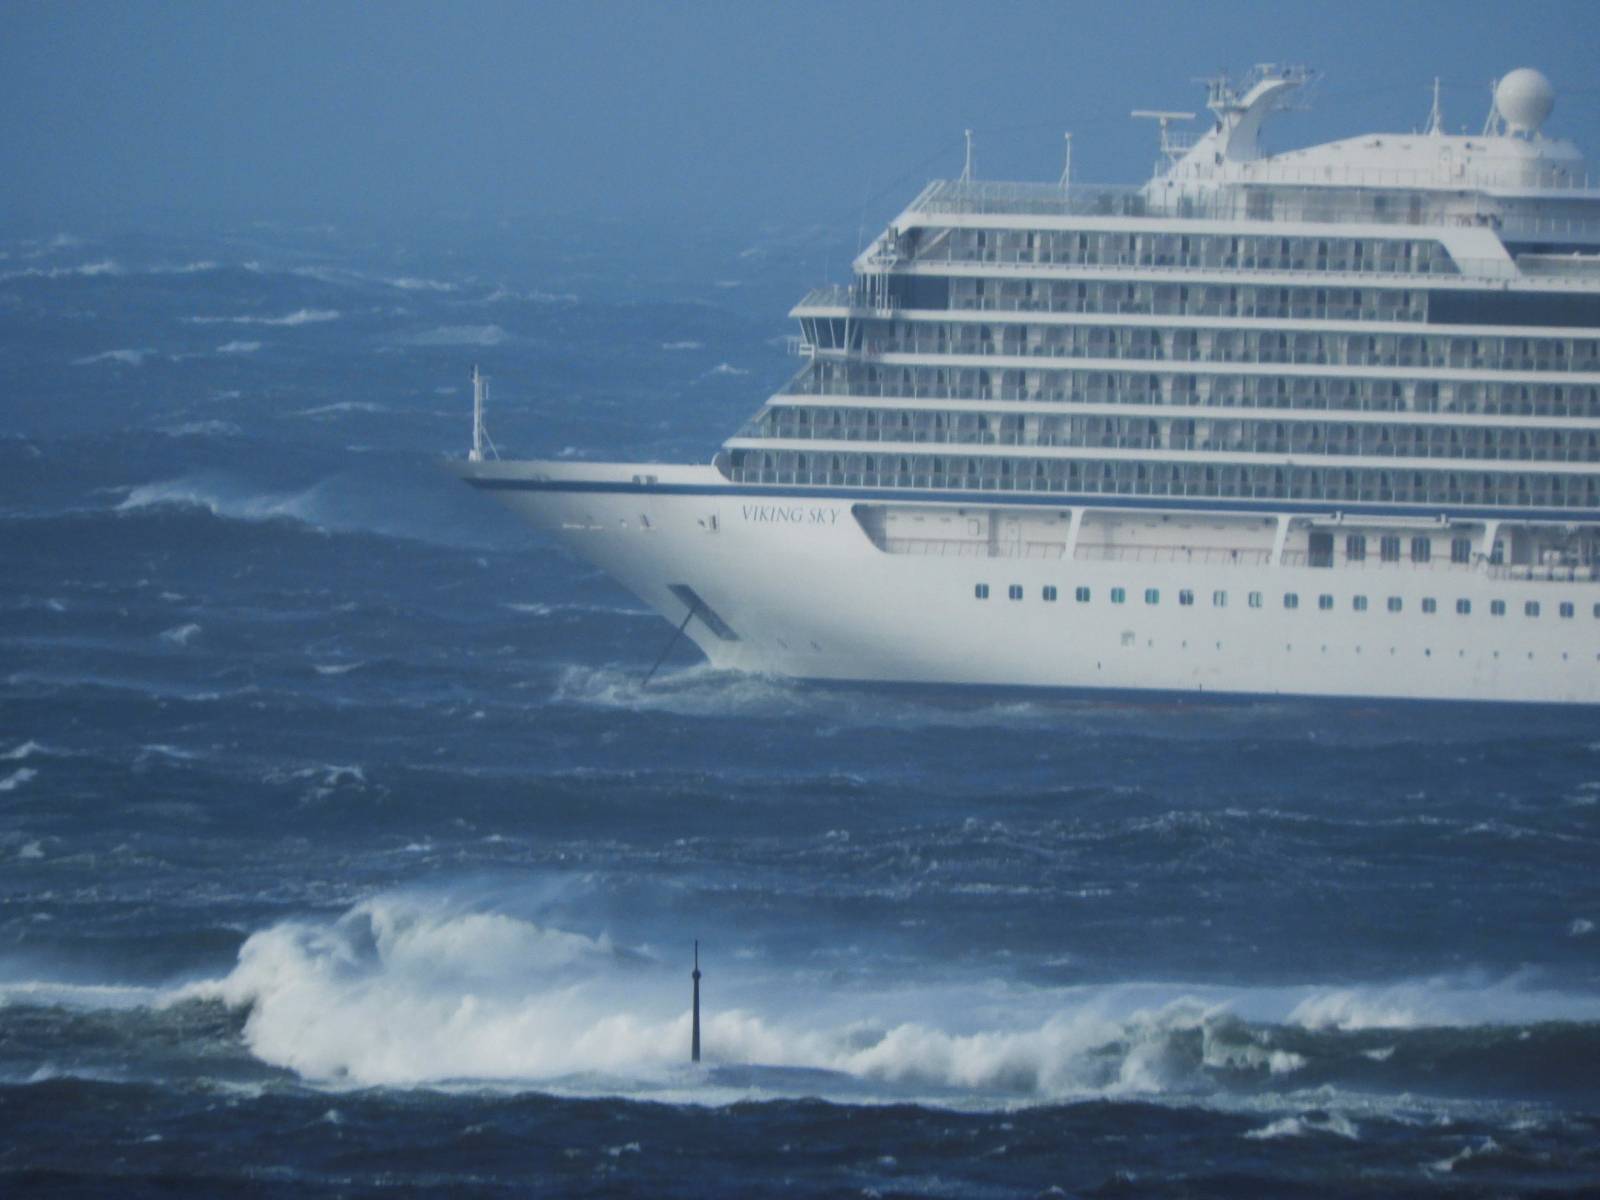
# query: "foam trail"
301,316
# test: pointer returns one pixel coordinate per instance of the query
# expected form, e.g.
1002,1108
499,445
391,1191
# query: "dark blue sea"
342,852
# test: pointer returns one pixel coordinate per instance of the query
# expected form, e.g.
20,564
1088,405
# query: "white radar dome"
1524,99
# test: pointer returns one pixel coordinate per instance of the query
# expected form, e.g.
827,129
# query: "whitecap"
343,406
203,429
1447,1002
460,335
337,668
1328,1124
128,358
88,270
411,283
238,347
683,345
181,635
17,778
727,369
301,316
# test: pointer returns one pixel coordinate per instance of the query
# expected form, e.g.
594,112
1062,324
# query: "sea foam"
412,989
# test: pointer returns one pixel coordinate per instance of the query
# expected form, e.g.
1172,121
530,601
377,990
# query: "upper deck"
1510,178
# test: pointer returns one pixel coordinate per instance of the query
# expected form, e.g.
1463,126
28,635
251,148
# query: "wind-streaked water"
341,849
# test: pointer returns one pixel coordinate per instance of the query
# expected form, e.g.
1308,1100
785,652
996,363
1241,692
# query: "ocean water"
342,851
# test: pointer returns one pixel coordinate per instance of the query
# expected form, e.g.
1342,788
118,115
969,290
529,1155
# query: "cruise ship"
1321,422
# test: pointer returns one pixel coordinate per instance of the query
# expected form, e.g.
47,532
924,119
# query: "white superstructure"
1322,422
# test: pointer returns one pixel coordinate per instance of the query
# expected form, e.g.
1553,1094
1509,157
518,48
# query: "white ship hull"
790,583
1323,422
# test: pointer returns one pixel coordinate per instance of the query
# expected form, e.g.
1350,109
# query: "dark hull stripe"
1032,499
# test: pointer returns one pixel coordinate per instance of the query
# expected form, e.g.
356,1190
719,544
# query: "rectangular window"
1049,592
981,591
1566,609
1220,600
1152,596
1389,549
1186,597
1359,603
1015,591
1118,595
1464,607
1429,604
1255,599
1421,549
1531,608
1497,608
1460,550
1394,604
1324,602
1355,547
1081,595
1291,600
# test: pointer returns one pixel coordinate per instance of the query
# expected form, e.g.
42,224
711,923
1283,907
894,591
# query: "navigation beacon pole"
694,1043
476,453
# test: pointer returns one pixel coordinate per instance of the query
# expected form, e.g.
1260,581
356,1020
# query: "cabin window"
1118,595
1082,595
1389,549
1255,599
981,591
1355,547
1185,597
1497,608
1421,549
1395,604
1359,603
1566,609
1429,604
1531,608
1015,591
1049,592
1220,600
1152,595
1460,550
1324,602
1291,600
1464,607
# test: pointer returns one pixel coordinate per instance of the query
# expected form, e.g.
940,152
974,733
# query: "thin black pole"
694,1045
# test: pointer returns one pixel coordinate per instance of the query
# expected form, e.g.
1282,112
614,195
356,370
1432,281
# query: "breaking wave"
221,501
419,988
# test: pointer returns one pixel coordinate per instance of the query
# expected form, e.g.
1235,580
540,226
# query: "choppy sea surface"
343,853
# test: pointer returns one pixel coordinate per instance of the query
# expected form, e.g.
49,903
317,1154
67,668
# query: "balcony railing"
1325,195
